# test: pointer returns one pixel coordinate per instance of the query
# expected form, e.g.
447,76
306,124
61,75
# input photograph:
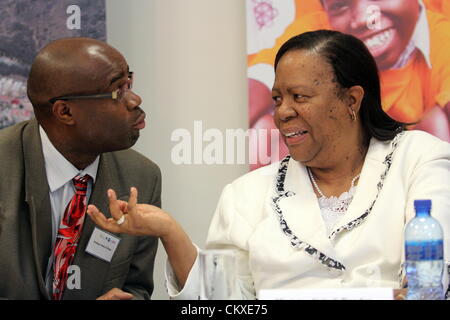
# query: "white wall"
190,64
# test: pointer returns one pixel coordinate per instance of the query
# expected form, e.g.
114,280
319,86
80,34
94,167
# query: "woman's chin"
302,158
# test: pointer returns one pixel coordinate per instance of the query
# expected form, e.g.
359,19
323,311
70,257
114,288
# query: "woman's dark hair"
353,65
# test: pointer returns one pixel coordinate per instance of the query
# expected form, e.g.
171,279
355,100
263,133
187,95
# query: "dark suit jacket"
26,221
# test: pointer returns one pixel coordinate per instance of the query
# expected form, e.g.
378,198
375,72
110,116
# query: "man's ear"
62,112
355,95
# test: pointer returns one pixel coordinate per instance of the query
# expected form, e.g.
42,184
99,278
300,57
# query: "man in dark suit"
87,118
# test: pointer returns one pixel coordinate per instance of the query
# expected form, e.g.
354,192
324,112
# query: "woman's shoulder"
252,188
409,149
415,147
421,142
249,193
261,177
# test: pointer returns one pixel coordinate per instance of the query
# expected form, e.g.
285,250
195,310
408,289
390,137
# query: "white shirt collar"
59,170
420,40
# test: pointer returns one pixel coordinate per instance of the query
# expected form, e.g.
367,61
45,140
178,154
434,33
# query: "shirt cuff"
191,289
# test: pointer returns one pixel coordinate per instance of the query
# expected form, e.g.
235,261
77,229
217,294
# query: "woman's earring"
353,115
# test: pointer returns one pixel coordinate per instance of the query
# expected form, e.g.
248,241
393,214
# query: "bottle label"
424,250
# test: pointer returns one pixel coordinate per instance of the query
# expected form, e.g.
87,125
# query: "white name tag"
328,294
102,244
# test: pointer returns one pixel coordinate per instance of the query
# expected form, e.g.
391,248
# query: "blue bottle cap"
422,205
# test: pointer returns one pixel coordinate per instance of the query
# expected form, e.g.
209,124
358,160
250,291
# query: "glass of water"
217,274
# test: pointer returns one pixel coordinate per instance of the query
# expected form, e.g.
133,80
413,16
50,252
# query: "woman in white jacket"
331,214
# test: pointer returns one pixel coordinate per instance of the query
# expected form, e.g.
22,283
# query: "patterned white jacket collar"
293,192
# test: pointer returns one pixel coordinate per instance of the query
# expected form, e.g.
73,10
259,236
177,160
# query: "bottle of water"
424,254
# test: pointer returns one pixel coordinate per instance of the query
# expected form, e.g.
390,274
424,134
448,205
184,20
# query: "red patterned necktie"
68,235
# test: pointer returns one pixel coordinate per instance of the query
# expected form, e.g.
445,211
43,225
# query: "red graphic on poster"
264,12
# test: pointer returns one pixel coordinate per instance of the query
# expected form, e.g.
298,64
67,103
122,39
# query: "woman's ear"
62,112
355,95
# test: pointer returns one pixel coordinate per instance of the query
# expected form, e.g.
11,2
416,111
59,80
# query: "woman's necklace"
317,187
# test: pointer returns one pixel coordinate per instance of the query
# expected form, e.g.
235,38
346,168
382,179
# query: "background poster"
410,40
27,26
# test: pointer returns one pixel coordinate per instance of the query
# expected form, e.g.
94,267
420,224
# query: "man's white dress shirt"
60,173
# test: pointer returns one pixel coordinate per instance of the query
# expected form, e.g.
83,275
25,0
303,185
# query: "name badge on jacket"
102,245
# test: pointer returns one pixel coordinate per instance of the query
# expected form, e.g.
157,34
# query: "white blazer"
272,217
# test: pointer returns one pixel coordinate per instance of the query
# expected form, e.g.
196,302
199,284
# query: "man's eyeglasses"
115,95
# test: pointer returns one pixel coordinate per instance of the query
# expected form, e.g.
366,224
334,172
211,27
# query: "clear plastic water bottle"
424,254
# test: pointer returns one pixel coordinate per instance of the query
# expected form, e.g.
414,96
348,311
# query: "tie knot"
80,183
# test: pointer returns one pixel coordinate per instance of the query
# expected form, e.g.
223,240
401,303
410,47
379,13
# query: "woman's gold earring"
353,115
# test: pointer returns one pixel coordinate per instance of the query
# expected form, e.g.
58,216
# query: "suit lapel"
38,200
297,204
302,213
94,270
367,189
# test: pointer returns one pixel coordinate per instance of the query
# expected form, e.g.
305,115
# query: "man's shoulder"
13,132
11,139
130,159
